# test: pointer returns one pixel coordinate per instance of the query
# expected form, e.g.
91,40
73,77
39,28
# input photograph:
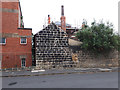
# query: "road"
84,80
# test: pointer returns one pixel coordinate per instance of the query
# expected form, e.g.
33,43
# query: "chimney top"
62,10
48,19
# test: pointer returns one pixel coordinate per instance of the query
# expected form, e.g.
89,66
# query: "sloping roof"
73,42
51,24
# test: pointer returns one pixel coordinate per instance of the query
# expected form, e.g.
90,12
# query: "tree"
98,37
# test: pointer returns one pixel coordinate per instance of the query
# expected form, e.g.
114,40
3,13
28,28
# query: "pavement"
56,72
76,80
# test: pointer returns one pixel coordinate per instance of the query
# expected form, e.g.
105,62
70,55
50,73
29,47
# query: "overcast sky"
35,12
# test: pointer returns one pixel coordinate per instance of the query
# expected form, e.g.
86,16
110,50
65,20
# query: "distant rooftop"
59,24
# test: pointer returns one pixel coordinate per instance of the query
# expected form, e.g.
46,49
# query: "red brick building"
16,41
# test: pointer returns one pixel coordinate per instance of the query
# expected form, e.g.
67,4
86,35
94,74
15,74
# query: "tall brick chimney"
48,19
63,19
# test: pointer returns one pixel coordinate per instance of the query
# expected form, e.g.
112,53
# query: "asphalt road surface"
91,80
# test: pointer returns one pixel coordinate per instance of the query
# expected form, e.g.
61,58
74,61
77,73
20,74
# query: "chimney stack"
48,19
62,10
63,21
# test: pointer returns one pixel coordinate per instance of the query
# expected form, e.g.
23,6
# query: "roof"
59,24
73,42
53,24
73,28
25,28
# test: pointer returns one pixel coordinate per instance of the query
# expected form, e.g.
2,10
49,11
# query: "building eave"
25,28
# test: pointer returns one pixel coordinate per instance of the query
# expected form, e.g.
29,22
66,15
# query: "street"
83,80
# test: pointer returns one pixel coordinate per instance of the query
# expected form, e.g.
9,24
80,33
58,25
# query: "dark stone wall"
52,50
51,46
89,59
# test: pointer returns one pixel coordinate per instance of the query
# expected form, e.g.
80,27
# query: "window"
23,63
23,40
2,40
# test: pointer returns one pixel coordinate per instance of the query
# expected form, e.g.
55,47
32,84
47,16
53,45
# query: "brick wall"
13,51
10,17
12,60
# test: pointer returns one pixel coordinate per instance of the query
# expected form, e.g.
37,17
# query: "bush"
98,38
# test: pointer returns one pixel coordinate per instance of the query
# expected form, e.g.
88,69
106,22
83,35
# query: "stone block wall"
51,47
54,50
90,60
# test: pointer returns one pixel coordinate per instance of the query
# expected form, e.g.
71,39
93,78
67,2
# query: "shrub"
98,38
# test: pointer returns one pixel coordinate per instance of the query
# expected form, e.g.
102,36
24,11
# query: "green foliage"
98,37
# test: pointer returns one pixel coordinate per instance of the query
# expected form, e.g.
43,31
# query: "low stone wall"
84,59
90,60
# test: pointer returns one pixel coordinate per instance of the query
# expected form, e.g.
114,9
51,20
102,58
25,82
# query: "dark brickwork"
51,47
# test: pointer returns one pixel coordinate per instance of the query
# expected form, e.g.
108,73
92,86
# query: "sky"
35,12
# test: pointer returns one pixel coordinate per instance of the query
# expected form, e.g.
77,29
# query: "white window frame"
26,40
5,41
21,62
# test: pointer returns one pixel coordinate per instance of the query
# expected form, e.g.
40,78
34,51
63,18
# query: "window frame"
21,62
21,38
3,43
